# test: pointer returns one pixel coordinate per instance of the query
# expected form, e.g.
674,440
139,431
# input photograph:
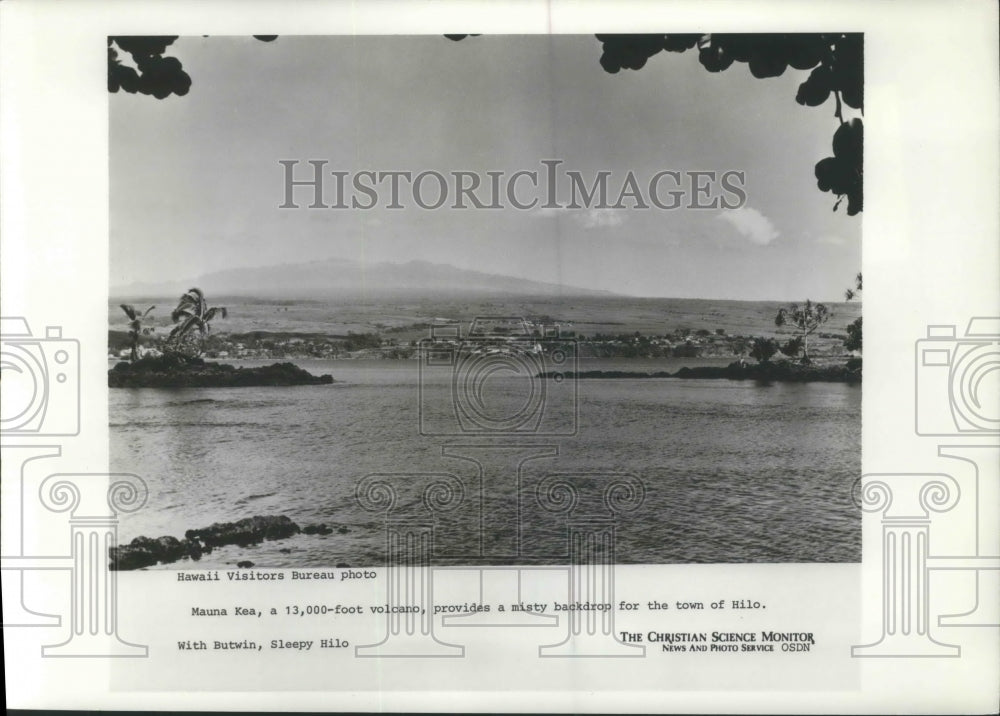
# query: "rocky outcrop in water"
147,551
320,529
246,532
179,371
784,371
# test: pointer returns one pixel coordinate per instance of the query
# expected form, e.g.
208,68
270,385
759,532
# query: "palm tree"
192,313
135,327
806,319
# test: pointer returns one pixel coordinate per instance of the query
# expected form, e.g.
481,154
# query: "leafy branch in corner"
836,62
150,71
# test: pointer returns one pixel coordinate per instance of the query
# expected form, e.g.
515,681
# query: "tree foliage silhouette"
854,329
762,349
835,61
151,72
136,329
192,314
805,320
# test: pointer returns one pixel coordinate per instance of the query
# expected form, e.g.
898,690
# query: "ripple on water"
734,472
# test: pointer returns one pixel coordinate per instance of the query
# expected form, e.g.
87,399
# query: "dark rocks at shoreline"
178,371
245,564
320,529
195,549
784,371
245,532
148,552
323,529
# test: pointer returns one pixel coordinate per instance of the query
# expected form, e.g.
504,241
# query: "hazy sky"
196,184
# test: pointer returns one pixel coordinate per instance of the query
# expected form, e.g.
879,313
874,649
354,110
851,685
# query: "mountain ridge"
343,277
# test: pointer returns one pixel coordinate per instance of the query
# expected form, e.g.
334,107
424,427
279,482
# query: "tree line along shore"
178,359
273,345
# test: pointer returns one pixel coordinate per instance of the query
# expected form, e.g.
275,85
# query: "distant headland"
179,371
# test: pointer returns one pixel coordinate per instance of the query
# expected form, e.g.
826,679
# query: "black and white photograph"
510,357
525,263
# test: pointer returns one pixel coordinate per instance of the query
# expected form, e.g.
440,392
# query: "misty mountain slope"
344,278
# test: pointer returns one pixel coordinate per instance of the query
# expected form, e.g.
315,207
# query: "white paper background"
931,255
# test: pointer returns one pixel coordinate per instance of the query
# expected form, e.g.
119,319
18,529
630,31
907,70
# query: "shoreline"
177,371
761,372
143,552
256,372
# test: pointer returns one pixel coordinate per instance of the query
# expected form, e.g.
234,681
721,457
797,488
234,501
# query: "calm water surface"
733,471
